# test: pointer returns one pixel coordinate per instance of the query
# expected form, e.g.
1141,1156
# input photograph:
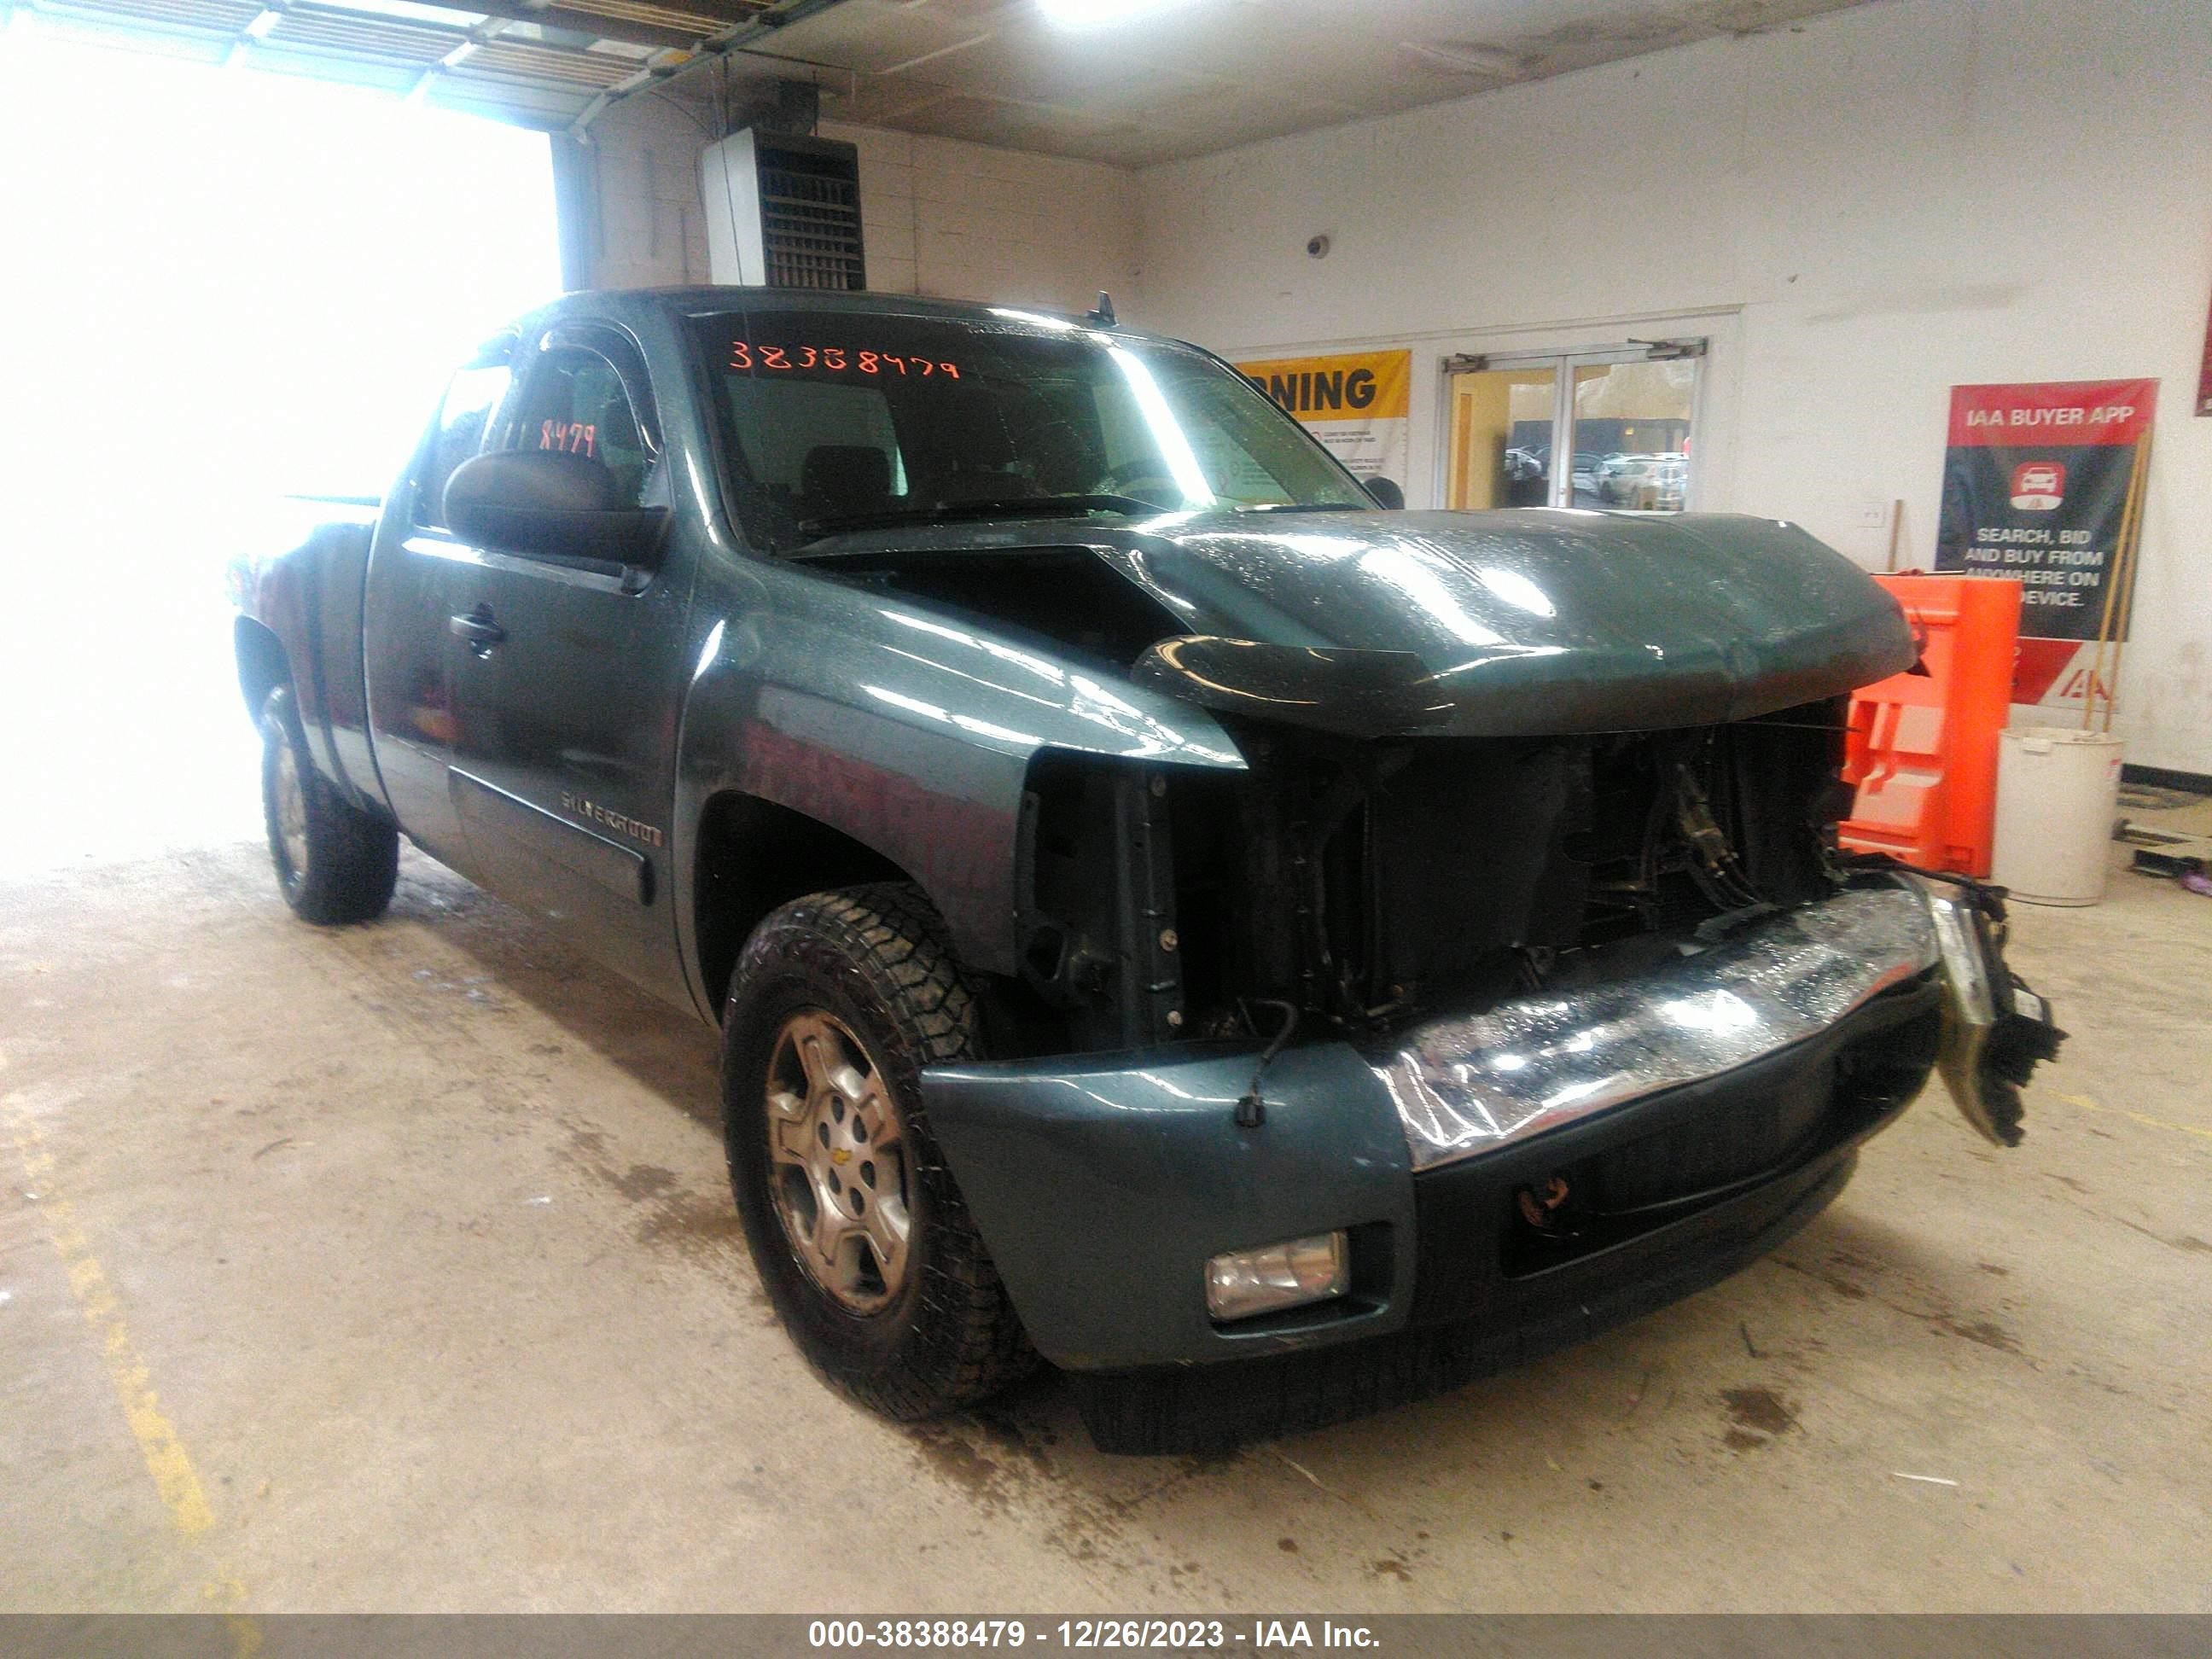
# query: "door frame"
1562,361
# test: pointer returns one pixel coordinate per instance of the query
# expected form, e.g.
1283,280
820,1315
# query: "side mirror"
1386,493
550,502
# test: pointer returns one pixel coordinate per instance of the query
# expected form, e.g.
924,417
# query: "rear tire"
334,863
859,1233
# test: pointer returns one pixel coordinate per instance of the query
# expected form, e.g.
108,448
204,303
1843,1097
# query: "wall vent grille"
784,212
810,225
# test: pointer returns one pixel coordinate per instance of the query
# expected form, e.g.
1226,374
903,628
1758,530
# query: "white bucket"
2057,791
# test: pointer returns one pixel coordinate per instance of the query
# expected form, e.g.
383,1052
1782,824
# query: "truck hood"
1521,624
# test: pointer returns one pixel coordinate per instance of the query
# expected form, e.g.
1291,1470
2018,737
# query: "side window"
575,400
470,400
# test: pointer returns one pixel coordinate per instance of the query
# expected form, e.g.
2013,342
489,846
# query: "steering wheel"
1126,479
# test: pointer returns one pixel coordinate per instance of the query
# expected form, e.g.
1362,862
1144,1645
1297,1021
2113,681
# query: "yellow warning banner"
1355,402
1352,386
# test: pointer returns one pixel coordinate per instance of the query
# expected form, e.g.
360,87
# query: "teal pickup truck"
1166,913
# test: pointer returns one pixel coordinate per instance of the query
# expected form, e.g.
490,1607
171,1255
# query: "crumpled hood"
1512,624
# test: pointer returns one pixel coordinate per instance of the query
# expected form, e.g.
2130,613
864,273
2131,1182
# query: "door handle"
476,630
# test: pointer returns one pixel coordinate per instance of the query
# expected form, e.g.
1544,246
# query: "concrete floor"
394,1268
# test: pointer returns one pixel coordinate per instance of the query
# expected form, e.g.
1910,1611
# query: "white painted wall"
1861,211
639,179
942,218
963,221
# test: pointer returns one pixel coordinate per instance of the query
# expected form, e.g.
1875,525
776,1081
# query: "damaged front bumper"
1996,1030
1465,1085
1554,1155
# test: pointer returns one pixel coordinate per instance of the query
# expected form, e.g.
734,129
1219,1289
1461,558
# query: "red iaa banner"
2035,487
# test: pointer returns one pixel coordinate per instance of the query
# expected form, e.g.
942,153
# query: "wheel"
334,863
859,1234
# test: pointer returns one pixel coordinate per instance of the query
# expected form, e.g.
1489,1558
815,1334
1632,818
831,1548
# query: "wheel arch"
751,855
262,664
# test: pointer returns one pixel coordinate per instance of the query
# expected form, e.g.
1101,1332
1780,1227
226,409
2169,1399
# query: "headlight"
1243,1283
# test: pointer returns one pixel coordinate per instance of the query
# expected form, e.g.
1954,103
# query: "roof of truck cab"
707,298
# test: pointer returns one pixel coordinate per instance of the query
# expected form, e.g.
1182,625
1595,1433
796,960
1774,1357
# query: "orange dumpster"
1923,748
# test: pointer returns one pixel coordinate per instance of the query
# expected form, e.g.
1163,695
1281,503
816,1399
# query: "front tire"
859,1233
334,862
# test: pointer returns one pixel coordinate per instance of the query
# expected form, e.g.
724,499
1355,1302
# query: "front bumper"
1670,1105
1466,1084
1211,1408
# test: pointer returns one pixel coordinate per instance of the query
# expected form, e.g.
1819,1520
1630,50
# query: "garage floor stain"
1757,1414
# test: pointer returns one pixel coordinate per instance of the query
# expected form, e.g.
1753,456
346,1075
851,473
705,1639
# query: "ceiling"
1187,78
1198,76
539,62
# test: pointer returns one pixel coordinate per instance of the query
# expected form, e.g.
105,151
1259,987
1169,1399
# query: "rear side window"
470,400
575,400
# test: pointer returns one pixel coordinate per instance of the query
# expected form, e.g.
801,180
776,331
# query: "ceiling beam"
728,14
754,31
590,23
483,34
272,14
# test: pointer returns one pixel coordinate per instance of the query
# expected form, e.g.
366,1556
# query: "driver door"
414,566
567,680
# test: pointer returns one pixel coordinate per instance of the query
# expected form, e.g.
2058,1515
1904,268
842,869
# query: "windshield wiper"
1019,507
1308,506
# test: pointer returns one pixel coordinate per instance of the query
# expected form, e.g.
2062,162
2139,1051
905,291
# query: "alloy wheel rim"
291,812
839,1170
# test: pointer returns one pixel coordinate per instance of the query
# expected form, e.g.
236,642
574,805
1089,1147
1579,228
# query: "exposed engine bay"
1365,883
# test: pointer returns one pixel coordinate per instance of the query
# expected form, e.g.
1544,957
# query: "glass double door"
1606,428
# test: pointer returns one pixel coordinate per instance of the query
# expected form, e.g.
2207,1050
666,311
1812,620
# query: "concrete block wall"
942,218
962,221
630,197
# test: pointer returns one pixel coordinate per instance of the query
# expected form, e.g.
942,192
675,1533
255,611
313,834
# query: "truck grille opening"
1367,882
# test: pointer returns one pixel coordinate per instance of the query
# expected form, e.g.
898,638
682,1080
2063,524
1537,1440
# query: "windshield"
844,421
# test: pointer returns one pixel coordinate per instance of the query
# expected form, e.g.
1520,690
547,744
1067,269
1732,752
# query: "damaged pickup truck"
1267,956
